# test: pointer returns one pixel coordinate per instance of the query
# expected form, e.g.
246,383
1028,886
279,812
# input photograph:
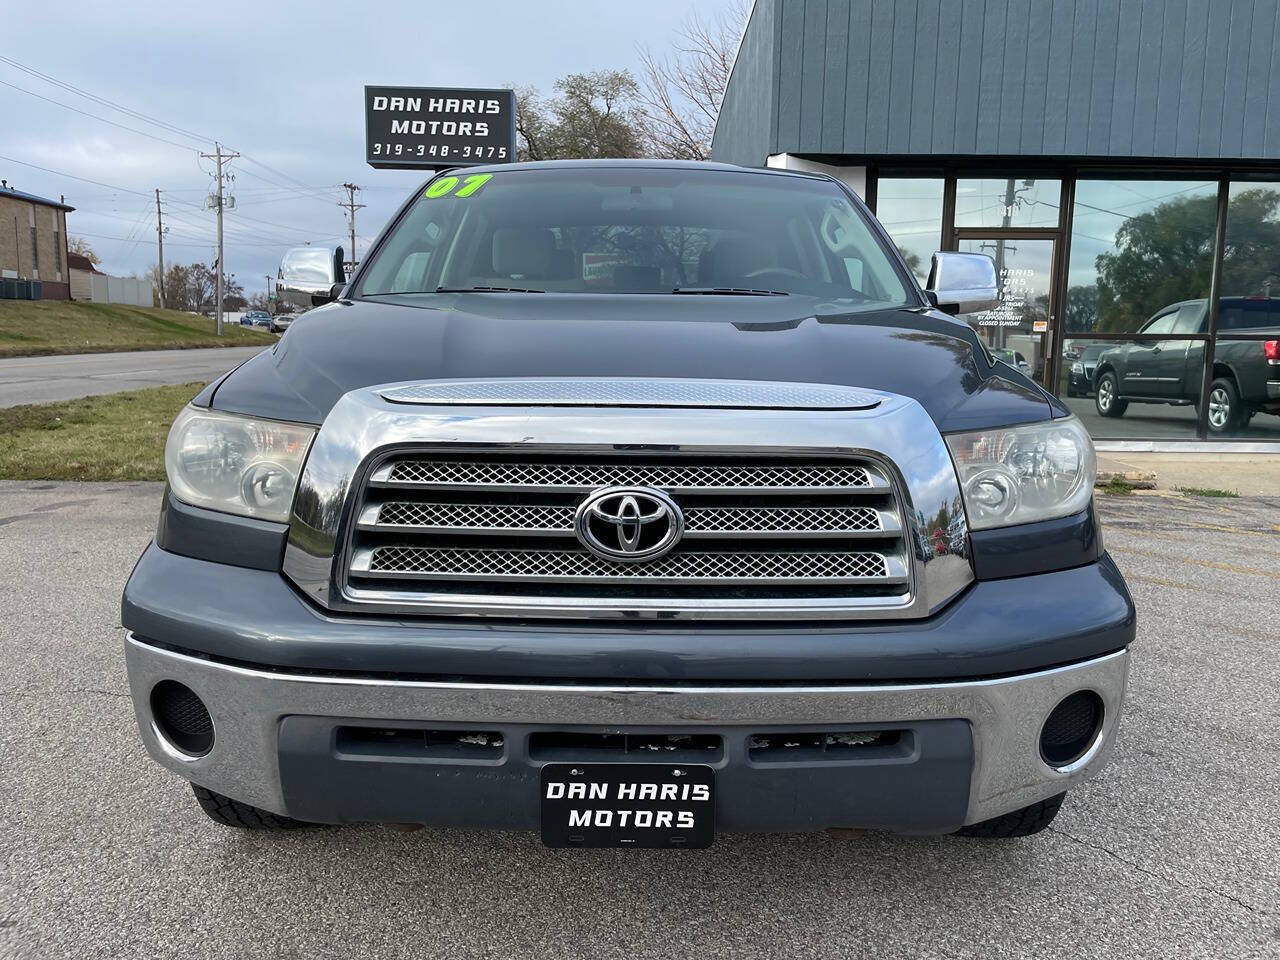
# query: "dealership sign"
416,127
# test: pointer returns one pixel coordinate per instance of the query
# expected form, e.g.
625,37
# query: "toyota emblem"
629,523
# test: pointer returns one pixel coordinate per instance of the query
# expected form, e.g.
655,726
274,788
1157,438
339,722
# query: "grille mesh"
744,520
682,567
663,476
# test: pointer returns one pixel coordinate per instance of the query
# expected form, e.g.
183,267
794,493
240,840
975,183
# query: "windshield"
629,230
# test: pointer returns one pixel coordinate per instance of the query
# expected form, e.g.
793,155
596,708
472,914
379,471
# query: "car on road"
1013,358
281,322
1163,367
631,502
255,318
1083,367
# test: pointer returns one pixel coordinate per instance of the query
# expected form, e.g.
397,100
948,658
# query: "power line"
94,116
72,88
71,176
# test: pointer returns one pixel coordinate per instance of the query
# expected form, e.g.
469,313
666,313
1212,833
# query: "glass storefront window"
1008,202
1015,330
911,211
1137,247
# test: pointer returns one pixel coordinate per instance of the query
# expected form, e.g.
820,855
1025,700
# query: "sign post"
435,127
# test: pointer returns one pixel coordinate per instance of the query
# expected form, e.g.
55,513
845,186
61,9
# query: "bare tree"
79,245
681,91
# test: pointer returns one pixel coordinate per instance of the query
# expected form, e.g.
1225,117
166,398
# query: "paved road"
1160,421
1171,852
48,379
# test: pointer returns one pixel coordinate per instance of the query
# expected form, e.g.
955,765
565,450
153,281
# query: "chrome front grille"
462,534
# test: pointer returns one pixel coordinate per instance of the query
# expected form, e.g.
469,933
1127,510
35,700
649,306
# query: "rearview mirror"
310,276
963,283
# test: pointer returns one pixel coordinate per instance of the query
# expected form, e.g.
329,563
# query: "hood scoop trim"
649,392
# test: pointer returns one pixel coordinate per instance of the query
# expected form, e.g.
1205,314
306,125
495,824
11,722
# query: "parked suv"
1245,379
630,501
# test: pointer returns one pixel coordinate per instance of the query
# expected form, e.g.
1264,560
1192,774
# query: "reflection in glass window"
1251,259
1137,247
1124,390
911,211
1008,202
1024,270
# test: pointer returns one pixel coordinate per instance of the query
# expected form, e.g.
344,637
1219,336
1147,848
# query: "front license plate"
628,805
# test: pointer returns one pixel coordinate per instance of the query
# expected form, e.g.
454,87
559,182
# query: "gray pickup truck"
630,502
1245,379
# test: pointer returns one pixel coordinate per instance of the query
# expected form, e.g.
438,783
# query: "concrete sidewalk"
1248,474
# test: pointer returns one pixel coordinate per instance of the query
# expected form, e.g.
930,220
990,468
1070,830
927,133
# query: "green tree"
590,115
1166,255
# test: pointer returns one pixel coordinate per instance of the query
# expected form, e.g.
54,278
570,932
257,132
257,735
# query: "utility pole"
160,245
218,203
269,308
352,207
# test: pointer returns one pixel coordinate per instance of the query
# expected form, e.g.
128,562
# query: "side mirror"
963,283
310,276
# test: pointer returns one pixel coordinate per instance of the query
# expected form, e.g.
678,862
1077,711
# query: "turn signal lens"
1272,349
235,464
1024,474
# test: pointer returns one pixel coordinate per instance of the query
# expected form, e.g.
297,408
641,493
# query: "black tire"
1226,414
233,813
1019,823
1107,398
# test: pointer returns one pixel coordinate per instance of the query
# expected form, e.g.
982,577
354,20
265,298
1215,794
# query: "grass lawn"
119,436
42,327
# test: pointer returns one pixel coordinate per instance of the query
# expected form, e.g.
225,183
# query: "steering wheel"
777,272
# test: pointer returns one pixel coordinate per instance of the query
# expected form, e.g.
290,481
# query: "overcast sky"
280,81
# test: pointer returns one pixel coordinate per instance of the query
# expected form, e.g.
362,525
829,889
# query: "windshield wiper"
488,290
729,292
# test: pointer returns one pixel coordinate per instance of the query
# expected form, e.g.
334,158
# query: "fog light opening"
181,718
1071,729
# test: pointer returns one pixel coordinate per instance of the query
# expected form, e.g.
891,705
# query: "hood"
351,344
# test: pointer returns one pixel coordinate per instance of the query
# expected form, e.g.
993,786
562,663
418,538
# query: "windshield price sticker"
449,186
433,127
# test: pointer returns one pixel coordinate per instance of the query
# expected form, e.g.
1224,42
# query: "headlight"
1024,474
1077,367
235,464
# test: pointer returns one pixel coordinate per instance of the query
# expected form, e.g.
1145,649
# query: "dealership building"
1118,159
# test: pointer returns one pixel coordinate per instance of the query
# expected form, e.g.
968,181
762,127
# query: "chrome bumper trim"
1005,715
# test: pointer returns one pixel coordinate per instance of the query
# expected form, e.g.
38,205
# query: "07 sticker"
448,186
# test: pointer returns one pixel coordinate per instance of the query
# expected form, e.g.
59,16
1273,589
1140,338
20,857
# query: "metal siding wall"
902,59
1188,135
834,79
940,128
879,88
1262,45
857,73
1013,87
1103,89
745,132
966,136
813,71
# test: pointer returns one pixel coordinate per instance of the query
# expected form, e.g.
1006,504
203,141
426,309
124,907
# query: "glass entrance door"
1019,329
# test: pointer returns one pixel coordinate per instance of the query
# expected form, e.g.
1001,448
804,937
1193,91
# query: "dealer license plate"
628,805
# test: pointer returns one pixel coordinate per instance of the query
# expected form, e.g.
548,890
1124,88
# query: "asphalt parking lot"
1174,851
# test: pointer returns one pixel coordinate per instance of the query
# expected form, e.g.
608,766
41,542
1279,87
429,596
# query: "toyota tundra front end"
631,502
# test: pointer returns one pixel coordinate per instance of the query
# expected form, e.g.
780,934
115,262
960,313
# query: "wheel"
1224,406
233,813
1108,399
1019,823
